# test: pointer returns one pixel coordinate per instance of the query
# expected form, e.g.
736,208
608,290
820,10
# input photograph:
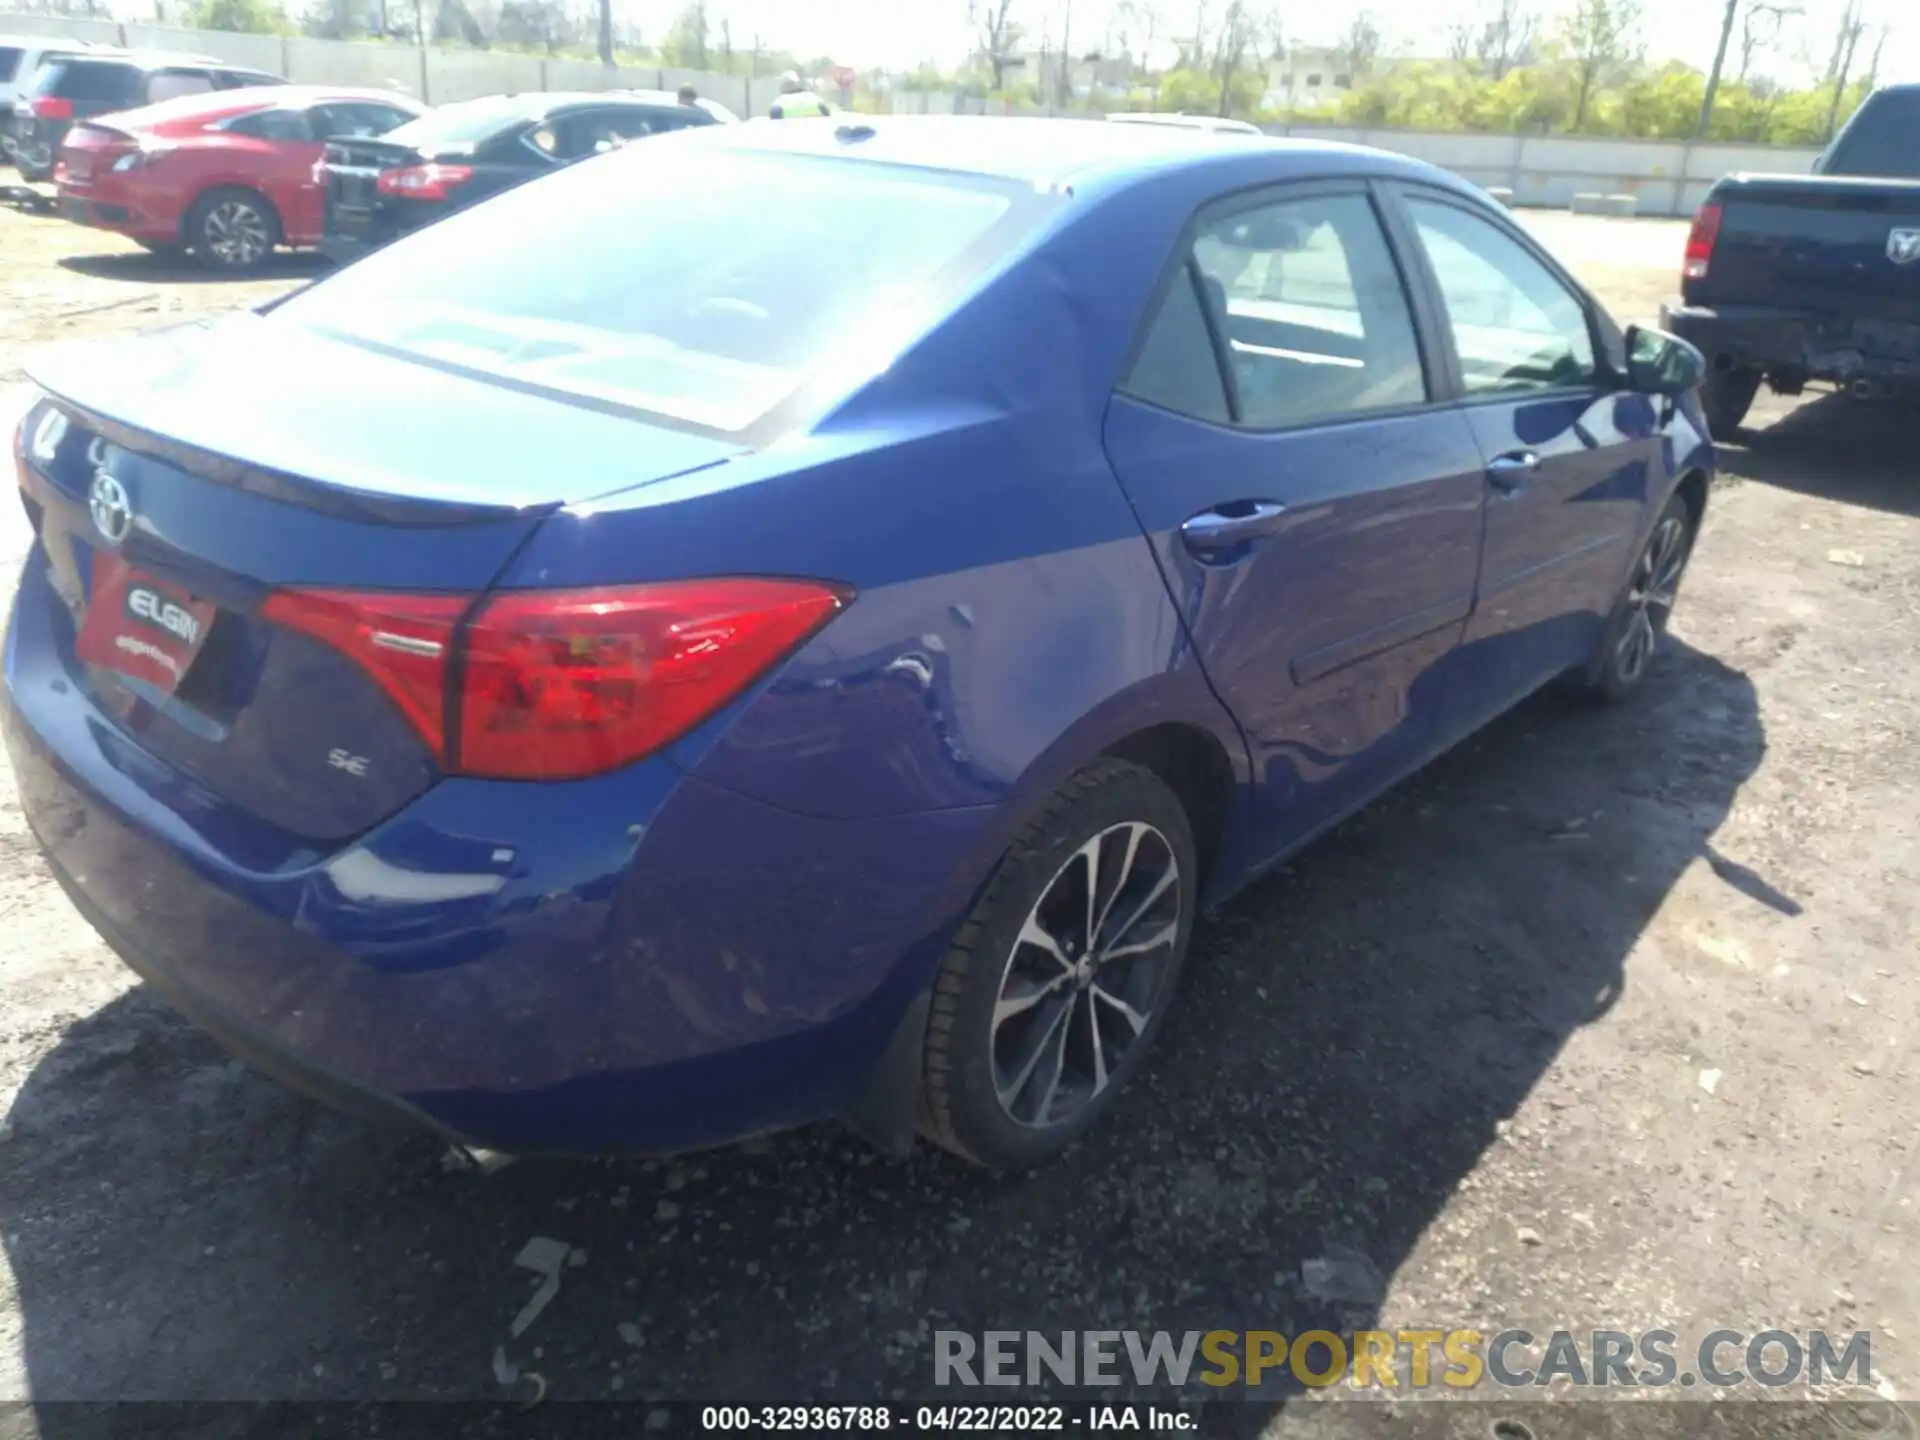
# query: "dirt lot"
1608,1020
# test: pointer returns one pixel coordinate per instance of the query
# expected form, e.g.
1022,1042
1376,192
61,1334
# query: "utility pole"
1713,76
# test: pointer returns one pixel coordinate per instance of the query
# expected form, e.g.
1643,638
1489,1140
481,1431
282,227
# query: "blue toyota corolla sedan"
790,622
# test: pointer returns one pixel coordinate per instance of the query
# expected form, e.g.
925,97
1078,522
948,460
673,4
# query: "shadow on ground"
1858,452
1351,1032
179,268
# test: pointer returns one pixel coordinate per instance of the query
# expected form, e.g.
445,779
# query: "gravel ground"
1605,1021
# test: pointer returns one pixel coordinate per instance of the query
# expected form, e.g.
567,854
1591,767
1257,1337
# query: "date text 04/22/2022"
942,1419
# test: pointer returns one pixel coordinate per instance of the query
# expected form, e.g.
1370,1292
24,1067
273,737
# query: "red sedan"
228,175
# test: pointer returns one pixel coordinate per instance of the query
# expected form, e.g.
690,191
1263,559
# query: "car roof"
1047,152
152,59
216,103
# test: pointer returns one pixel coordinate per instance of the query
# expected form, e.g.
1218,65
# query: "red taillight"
423,182
51,107
402,641
1700,241
558,684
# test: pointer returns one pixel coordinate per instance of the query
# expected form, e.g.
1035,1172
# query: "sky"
898,34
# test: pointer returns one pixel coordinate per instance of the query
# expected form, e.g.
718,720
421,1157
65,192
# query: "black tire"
232,230
1074,1020
1619,667
1727,395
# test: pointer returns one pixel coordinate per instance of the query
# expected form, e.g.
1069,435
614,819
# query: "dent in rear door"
1323,633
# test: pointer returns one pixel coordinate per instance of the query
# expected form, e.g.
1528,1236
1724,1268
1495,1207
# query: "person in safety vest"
797,100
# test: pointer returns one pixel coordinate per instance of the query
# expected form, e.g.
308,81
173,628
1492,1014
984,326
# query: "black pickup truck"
1794,278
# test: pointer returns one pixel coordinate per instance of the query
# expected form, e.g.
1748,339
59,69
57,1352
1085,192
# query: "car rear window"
9,62
1883,139
704,286
88,80
466,122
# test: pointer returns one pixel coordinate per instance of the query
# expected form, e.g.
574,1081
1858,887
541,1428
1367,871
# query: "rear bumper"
653,963
1799,344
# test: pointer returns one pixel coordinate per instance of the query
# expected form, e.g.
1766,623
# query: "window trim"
1608,372
1436,373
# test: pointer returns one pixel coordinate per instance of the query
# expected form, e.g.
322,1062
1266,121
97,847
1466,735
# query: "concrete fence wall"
1664,177
435,75
1667,177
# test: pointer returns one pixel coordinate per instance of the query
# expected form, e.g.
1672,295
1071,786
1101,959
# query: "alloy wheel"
1650,597
1086,974
237,233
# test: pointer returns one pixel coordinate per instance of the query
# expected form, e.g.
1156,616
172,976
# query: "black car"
70,88
380,189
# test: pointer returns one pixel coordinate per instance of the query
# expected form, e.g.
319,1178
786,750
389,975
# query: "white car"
1214,124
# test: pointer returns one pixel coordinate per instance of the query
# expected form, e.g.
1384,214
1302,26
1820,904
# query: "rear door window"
243,79
1883,139
282,125
1313,310
89,81
356,120
592,132
171,84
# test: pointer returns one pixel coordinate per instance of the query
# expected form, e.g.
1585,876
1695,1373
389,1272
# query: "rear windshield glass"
466,123
1883,139
674,278
9,62
87,80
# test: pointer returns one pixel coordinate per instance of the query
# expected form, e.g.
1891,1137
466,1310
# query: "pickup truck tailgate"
1817,244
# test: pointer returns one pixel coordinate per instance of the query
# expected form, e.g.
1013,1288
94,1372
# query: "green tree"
1601,40
686,44
257,17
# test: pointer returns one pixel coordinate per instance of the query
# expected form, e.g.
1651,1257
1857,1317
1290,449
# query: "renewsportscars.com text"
1402,1359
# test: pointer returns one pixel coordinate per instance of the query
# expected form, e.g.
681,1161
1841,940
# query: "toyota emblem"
111,510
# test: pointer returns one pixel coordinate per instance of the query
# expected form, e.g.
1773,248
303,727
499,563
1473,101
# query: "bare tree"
1601,38
998,34
1852,26
1506,38
1359,48
606,32
1136,24
1760,25
1461,36
1240,29
1872,77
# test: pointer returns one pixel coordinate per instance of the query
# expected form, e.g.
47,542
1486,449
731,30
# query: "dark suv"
68,88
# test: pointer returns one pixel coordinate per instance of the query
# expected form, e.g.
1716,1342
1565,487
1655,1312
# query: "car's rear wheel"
232,230
1639,620
1057,983
1727,395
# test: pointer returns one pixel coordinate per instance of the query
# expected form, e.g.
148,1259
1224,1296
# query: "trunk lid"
90,149
182,481
1816,243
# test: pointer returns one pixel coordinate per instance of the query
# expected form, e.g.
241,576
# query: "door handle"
1234,523
1509,472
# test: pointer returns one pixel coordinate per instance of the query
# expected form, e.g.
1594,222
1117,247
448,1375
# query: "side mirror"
1662,364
